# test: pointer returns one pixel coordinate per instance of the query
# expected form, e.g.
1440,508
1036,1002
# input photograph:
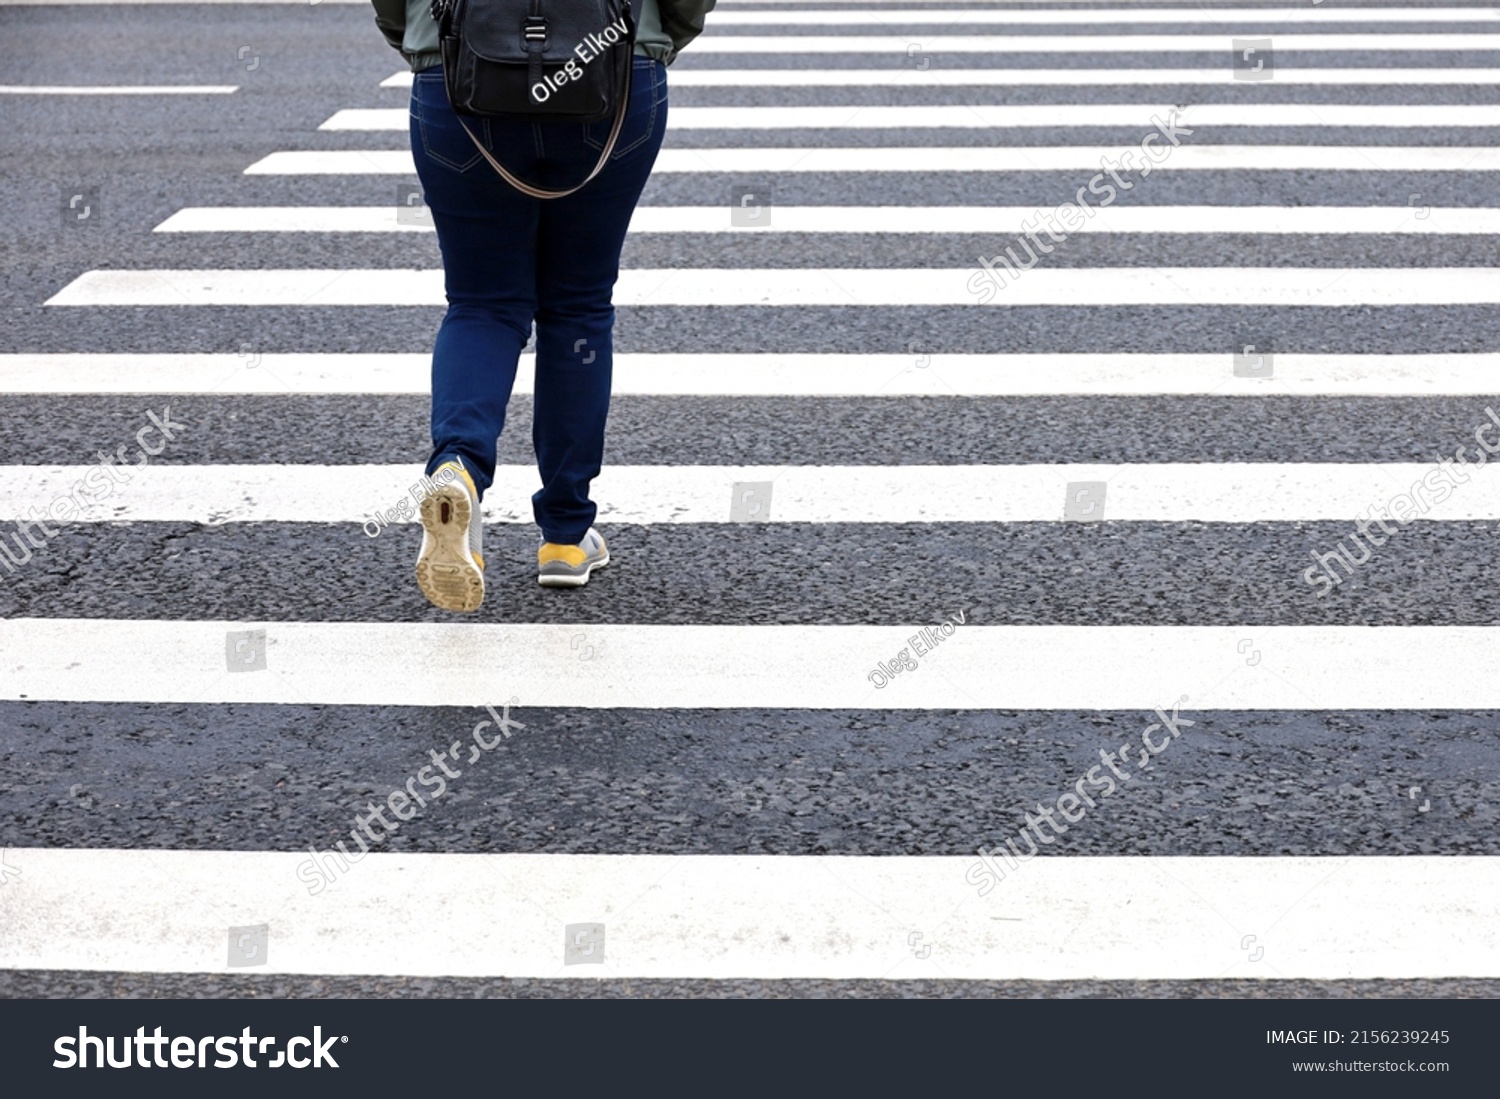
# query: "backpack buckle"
534,29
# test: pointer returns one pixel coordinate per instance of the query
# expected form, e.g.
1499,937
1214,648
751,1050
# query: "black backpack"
539,60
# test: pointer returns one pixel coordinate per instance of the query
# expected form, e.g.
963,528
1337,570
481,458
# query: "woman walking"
510,260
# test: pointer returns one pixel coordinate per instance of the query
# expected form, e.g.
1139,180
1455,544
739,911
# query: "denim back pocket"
442,134
648,91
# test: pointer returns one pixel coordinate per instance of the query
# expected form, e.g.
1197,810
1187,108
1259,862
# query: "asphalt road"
107,775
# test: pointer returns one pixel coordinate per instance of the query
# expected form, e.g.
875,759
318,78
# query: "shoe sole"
447,573
572,579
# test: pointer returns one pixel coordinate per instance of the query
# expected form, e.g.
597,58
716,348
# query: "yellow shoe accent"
566,566
462,472
556,551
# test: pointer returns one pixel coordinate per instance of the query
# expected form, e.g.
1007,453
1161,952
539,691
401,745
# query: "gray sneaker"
450,567
560,566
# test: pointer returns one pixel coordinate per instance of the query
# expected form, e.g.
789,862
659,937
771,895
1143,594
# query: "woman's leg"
579,239
487,233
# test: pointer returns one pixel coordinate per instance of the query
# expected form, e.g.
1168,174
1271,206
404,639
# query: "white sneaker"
450,566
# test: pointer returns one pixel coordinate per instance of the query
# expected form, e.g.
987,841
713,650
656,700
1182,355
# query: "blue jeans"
509,260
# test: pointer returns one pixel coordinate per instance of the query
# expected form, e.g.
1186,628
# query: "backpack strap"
609,147
534,34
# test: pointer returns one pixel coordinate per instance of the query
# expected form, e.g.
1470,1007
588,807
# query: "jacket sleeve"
683,19
390,17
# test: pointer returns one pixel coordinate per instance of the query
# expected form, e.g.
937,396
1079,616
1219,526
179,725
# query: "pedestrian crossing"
1218,492
877,219
703,917
765,668
647,666
935,78
983,159
768,375
1402,41
1309,287
119,89
984,116
1088,17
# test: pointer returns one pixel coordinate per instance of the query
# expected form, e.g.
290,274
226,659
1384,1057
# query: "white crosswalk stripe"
1085,43
1012,220
1092,17
1160,492
955,78
144,910
808,667
1068,158
118,89
975,116
795,375
1318,287
753,917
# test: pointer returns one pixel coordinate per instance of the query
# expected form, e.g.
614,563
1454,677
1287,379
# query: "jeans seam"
617,153
427,147
646,133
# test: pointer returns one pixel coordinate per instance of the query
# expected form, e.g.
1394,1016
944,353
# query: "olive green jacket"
663,28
